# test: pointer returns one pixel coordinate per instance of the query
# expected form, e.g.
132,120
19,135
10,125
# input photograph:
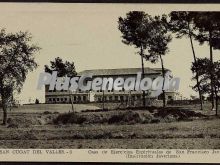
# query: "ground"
40,108
33,129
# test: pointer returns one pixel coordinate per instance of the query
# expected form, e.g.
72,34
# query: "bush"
169,114
46,112
69,118
129,117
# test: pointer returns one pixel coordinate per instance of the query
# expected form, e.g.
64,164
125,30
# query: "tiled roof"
120,71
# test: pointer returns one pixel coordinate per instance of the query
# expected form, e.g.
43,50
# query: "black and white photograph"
109,76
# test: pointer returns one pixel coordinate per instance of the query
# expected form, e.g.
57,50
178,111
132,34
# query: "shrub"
129,117
47,112
69,118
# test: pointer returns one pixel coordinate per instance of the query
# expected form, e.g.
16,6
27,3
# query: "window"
84,98
61,99
58,99
116,98
50,99
65,99
121,98
54,99
110,98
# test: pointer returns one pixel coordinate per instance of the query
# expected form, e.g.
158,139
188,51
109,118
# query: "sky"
88,35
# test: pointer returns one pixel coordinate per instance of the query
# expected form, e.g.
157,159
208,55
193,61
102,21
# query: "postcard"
110,82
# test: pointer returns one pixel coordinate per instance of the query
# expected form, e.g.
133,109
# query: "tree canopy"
17,60
64,68
135,28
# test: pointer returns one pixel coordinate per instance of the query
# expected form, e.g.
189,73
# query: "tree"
204,67
208,24
158,45
17,60
216,83
37,101
182,23
136,30
63,68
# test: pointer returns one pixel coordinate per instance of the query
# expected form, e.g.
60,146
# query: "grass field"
61,108
33,131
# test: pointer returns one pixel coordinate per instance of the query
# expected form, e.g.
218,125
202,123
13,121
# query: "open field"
193,134
36,130
61,108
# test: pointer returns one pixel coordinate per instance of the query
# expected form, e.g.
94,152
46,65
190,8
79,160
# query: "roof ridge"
120,71
116,69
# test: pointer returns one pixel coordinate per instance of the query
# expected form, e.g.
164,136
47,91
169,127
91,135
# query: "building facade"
129,97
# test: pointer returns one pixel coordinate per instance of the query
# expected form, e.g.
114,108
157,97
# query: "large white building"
108,95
